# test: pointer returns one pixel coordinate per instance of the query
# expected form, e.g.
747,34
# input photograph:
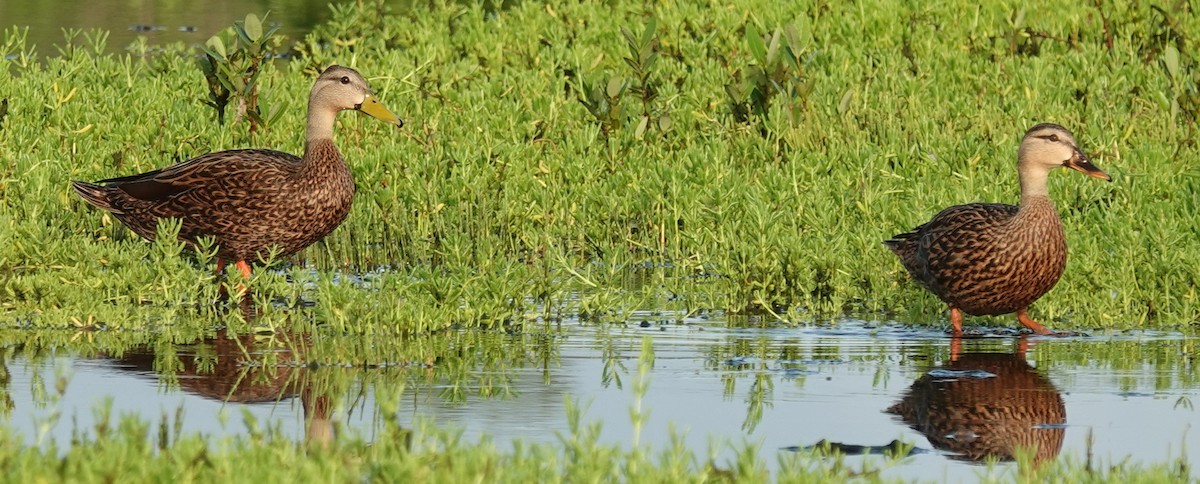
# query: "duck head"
1048,146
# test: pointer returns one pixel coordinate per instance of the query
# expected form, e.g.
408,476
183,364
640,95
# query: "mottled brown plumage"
990,258
990,417
251,200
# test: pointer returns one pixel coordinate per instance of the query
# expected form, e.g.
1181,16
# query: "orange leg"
956,320
220,266
243,286
244,266
1023,317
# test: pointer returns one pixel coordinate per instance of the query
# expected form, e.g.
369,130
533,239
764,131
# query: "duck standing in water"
251,200
993,258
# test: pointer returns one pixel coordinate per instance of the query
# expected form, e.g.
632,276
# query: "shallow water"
854,384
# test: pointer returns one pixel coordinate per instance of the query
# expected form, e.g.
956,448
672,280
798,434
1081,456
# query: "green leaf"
648,34
248,89
616,86
773,49
648,62
1171,61
629,38
799,34
267,36
241,34
253,27
735,92
844,104
754,40
217,47
254,117
276,112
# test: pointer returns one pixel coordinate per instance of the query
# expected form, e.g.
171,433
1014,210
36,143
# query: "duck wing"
953,244
210,193
210,171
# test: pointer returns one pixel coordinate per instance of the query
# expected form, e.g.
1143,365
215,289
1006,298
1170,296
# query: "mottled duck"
252,200
993,258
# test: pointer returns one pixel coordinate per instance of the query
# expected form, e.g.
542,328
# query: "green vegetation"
751,159
122,451
233,73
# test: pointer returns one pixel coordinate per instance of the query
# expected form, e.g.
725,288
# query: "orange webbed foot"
1035,326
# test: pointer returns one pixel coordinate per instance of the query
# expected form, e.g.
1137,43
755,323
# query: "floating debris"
791,373
943,374
742,361
895,448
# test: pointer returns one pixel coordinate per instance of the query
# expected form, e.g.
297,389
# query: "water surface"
857,384
159,22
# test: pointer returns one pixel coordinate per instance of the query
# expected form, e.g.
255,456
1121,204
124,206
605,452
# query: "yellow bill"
372,107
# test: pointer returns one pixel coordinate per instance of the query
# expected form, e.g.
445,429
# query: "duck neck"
1038,224
319,147
1033,183
320,123
1036,204
323,160
1038,211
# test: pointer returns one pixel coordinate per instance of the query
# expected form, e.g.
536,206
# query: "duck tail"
94,194
905,247
900,243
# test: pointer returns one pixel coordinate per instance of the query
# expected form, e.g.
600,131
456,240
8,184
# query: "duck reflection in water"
248,368
986,405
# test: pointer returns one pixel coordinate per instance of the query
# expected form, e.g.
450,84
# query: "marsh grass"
502,201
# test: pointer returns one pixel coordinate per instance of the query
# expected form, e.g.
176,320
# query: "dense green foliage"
721,183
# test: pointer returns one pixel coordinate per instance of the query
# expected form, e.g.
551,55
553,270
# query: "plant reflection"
6,400
986,405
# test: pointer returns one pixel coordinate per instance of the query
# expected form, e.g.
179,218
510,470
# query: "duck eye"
1053,137
345,79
